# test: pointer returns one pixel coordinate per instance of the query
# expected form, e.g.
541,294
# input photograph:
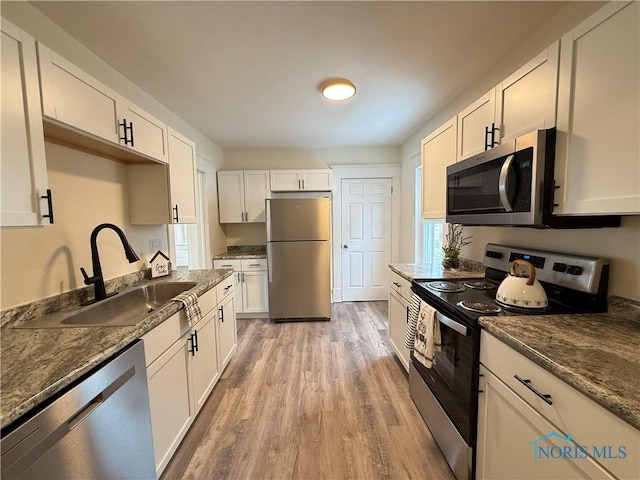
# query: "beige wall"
621,245
87,190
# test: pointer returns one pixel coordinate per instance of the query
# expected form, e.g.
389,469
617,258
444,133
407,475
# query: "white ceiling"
246,74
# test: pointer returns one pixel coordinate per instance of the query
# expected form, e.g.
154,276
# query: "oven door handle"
458,327
503,184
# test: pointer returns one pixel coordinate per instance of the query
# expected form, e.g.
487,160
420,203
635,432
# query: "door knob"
345,246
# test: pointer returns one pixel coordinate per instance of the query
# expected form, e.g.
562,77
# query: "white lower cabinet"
554,432
251,283
184,363
398,316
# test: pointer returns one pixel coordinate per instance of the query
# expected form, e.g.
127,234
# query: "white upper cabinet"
182,178
475,124
23,167
76,99
142,131
301,180
79,102
241,195
438,152
598,153
162,194
526,100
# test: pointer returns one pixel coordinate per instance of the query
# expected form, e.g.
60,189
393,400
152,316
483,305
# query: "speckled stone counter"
38,363
243,251
597,354
416,271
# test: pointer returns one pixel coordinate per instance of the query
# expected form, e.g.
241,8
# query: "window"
190,240
429,232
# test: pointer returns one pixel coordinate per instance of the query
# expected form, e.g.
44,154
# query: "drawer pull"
527,383
254,264
397,284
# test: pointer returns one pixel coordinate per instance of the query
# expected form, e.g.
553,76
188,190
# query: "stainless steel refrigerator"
298,258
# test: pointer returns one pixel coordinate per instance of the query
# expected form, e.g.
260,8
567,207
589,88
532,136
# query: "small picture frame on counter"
159,265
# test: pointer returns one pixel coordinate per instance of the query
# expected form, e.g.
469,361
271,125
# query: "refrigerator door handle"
269,261
267,210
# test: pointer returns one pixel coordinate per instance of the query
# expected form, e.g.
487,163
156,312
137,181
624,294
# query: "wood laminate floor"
311,400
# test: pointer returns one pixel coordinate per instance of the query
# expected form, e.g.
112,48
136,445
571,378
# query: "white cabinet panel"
398,315
227,333
526,100
597,155
23,167
242,195
255,292
76,99
301,180
204,363
438,152
473,122
182,178
145,133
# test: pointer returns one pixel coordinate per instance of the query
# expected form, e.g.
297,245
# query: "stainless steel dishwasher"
98,429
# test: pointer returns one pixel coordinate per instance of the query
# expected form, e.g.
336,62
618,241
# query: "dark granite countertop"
37,363
413,271
597,354
242,251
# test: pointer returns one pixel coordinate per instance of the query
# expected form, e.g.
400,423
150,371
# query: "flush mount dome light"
338,90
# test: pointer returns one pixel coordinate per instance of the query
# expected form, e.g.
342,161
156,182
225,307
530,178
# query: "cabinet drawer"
235,264
164,335
254,264
571,412
225,288
400,285
207,301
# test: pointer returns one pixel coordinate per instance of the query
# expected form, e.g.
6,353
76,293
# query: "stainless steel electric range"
446,394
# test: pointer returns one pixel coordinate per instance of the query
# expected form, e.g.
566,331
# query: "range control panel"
572,271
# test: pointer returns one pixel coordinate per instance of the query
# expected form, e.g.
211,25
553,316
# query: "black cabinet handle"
192,350
228,287
397,284
486,138
125,127
494,129
407,314
49,205
175,216
527,383
221,312
195,336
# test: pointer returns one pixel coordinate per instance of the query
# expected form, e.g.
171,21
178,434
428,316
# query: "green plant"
454,241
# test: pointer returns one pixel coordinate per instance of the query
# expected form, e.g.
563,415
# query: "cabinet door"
231,197
74,98
472,122
526,101
398,316
204,361
597,167
146,134
182,178
510,439
438,152
256,191
23,167
285,180
316,180
170,401
227,335
255,296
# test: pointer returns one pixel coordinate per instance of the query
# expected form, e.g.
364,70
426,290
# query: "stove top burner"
448,287
481,284
479,307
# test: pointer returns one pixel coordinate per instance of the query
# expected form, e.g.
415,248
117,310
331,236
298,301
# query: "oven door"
453,379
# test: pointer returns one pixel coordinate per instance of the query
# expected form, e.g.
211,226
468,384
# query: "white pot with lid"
520,291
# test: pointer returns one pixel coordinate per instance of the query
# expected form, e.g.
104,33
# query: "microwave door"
507,184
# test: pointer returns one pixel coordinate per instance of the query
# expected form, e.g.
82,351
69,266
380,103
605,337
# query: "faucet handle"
87,279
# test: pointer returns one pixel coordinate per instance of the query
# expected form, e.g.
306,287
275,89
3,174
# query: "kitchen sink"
130,307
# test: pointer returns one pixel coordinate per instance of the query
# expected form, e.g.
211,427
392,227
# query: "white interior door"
366,238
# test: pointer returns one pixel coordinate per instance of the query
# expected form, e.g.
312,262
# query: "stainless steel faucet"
96,280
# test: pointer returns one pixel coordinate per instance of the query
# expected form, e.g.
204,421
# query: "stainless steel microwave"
512,184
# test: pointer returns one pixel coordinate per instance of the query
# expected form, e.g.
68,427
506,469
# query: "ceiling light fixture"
338,90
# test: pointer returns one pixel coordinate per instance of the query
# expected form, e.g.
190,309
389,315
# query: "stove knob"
574,270
559,267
